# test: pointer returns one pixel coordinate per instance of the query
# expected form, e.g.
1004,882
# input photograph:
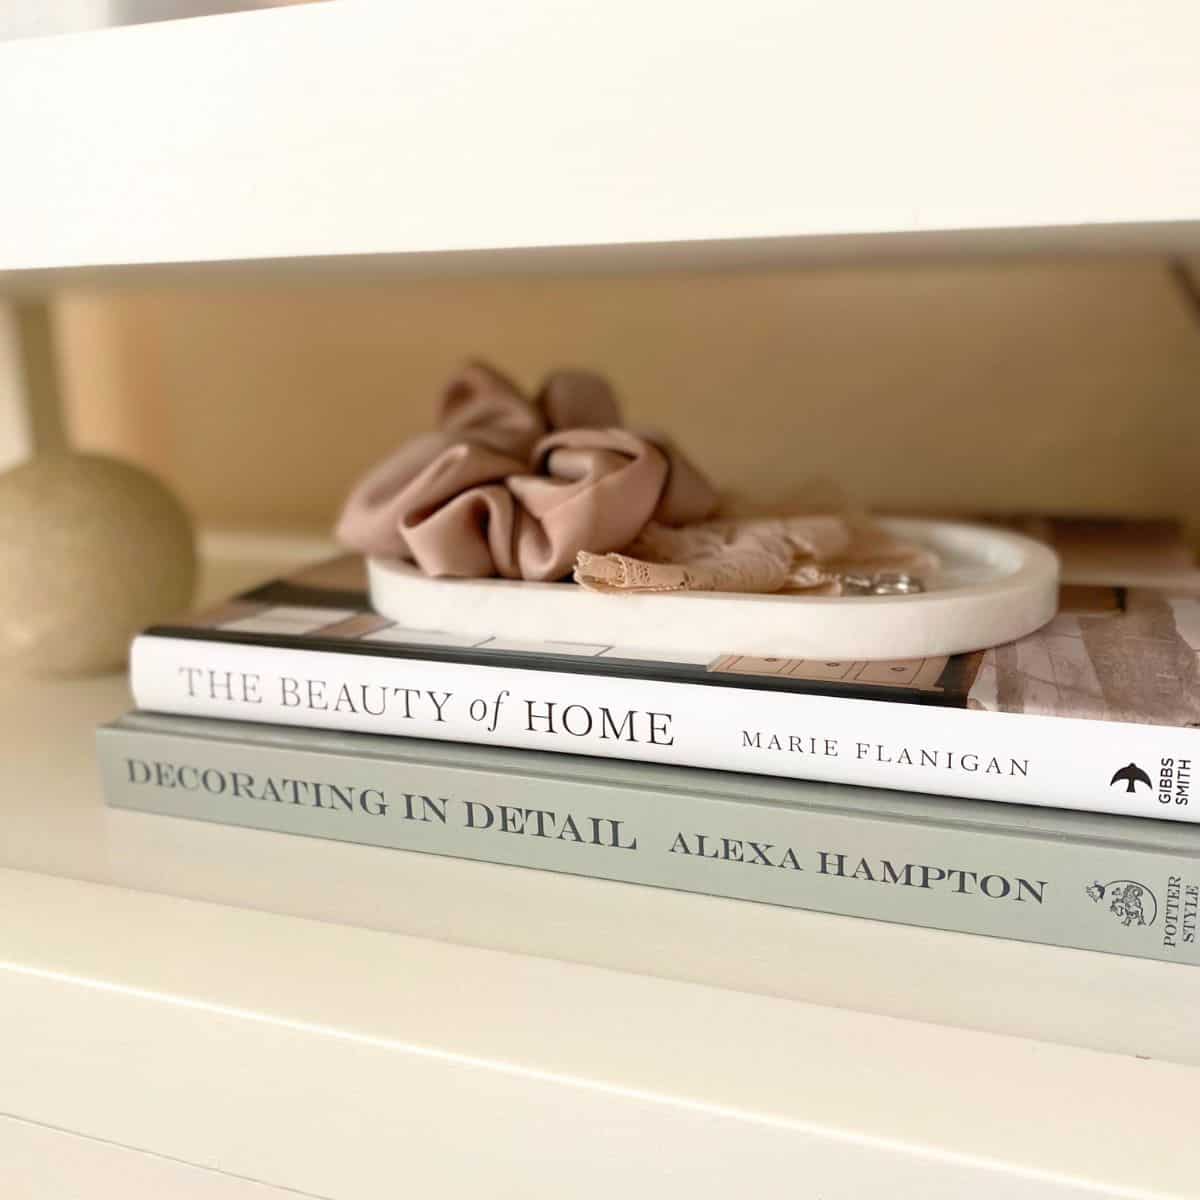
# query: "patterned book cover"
1114,652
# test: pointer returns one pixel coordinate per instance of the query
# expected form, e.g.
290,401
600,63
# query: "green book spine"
1096,882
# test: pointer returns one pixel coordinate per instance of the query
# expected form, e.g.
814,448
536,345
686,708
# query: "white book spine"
1139,770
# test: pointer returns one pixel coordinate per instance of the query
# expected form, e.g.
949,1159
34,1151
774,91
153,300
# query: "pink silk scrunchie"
513,487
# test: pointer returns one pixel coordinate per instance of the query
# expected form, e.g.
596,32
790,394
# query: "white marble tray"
993,587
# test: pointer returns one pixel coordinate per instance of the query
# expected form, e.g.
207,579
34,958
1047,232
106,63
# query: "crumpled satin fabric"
518,487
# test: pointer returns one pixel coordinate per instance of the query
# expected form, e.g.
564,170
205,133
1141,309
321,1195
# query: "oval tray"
993,587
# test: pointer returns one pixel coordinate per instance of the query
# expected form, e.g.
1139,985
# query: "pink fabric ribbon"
517,487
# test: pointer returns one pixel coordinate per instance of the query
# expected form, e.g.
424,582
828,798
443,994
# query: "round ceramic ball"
91,551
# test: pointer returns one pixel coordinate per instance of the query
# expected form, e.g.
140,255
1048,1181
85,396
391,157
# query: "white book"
1099,710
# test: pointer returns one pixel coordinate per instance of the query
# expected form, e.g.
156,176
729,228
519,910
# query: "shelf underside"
437,138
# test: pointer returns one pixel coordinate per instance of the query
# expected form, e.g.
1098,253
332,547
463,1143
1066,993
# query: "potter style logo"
1131,775
1132,903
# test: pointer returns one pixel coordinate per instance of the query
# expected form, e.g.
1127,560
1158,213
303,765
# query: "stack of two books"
1003,793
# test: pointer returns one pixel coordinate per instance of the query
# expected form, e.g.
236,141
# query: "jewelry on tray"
882,583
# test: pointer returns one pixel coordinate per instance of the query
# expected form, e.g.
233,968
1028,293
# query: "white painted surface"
23,19
31,419
373,128
41,1163
481,1047
328,1059
16,415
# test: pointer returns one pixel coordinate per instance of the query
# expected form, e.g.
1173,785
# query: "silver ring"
883,583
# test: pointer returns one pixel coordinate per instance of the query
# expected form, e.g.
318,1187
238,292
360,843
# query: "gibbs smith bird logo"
1131,776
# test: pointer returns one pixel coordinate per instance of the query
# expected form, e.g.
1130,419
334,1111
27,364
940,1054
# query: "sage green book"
1122,885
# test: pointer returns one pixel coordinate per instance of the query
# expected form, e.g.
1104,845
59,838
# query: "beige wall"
1065,386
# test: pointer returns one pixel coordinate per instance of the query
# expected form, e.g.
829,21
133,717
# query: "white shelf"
426,136
44,1163
329,1060
307,1014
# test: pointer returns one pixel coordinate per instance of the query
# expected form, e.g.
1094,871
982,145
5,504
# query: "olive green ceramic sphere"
91,550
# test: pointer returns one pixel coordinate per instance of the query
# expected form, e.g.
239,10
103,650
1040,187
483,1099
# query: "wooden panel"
1067,386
